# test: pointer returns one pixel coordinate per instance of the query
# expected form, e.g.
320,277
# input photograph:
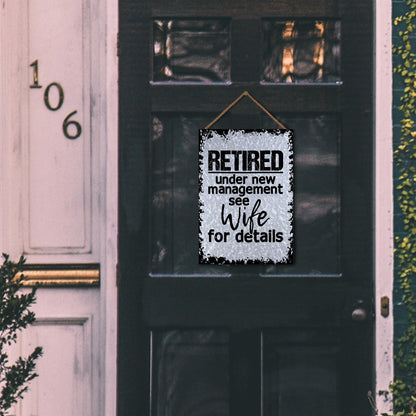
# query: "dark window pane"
300,373
191,50
301,51
317,194
174,211
190,373
174,190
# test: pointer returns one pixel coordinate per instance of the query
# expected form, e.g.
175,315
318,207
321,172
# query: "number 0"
61,96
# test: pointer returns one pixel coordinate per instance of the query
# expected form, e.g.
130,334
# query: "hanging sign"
246,196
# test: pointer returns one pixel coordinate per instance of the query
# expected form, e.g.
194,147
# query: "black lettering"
213,159
277,160
225,159
253,160
264,160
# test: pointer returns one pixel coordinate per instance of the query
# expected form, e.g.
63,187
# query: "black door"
287,340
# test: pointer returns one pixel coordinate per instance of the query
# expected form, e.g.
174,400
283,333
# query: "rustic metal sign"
246,196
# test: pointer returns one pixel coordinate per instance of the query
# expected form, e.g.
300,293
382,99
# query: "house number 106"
67,123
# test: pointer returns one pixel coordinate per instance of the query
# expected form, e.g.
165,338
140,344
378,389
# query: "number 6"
67,123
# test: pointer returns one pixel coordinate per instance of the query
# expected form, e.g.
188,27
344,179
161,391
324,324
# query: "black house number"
69,133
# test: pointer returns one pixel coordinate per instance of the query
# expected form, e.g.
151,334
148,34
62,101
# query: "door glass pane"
187,50
174,196
301,51
300,373
317,194
190,373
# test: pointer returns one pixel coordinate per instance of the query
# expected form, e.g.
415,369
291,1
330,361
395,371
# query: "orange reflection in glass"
289,33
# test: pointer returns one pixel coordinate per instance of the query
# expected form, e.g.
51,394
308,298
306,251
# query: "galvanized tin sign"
246,196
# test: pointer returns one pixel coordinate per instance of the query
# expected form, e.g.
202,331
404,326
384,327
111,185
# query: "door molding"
384,369
109,290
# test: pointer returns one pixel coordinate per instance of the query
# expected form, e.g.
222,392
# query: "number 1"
35,84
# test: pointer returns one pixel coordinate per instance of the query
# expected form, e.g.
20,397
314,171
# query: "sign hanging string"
245,94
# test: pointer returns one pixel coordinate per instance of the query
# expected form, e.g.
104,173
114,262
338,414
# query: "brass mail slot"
61,275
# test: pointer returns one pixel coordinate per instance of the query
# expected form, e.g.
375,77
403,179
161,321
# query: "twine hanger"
246,94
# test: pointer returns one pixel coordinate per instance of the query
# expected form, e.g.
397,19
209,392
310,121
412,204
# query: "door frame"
383,197
109,25
384,239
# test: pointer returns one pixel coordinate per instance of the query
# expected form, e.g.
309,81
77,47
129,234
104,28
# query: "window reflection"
301,51
189,50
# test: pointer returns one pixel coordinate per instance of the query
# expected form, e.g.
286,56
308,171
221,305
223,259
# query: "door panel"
231,339
190,372
301,372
